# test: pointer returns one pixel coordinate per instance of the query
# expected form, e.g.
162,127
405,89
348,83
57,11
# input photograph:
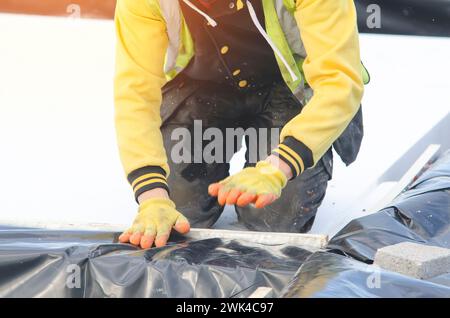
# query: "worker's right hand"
154,222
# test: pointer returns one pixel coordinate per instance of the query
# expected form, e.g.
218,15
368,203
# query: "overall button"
236,73
242,84
239,4
224,49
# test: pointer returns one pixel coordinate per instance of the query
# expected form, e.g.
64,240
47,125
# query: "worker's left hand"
260,185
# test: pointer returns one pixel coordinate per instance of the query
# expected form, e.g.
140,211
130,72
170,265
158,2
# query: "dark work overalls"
234,81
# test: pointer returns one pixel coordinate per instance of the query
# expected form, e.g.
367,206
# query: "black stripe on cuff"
153,179
150,186
146,170
301,149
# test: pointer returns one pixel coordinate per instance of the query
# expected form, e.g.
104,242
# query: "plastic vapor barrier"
421,215
43,263
332,275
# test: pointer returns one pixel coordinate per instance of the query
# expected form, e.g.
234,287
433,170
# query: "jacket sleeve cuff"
295,154
147,178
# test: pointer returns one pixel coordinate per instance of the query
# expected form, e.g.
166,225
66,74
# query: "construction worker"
291,66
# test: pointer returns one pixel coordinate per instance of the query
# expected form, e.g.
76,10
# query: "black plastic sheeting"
332,275
421,215
408,17
42,263
39,263
36,263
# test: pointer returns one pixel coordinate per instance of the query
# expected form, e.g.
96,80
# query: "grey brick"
416,260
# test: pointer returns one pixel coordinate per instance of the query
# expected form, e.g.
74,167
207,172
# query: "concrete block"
415,260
